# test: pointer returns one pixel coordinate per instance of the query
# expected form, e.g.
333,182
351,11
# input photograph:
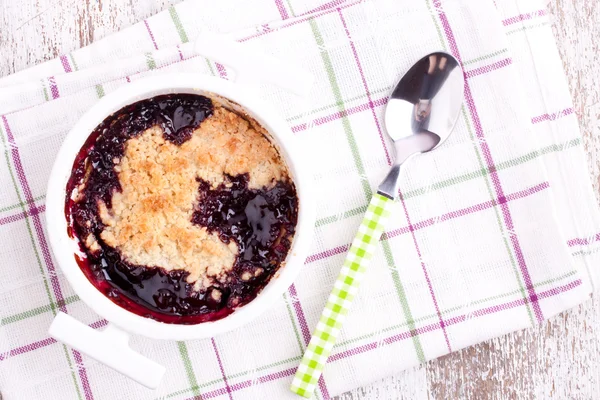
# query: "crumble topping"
150,220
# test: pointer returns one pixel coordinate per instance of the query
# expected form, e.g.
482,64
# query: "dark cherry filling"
261,222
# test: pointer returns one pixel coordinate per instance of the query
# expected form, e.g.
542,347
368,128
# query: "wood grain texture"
559,359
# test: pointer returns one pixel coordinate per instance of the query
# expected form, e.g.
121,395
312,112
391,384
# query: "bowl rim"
65,248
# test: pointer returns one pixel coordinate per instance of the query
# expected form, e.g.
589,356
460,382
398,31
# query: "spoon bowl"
422,111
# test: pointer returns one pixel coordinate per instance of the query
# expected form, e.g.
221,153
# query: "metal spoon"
419,116
422,111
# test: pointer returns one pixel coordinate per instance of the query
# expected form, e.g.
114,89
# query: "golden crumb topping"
150,219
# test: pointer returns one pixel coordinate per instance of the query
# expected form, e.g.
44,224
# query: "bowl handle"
250,65
110,347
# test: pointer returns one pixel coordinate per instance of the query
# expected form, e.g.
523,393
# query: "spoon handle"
341,297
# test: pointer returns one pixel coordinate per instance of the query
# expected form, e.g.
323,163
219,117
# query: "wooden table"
559,359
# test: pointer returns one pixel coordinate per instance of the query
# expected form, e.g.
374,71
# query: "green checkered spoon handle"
340,299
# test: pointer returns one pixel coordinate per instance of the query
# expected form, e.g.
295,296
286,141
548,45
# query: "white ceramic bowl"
65,247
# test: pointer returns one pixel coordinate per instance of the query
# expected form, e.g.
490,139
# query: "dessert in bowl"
183,208
179,207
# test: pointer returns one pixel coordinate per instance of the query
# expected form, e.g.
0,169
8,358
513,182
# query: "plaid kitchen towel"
495,231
